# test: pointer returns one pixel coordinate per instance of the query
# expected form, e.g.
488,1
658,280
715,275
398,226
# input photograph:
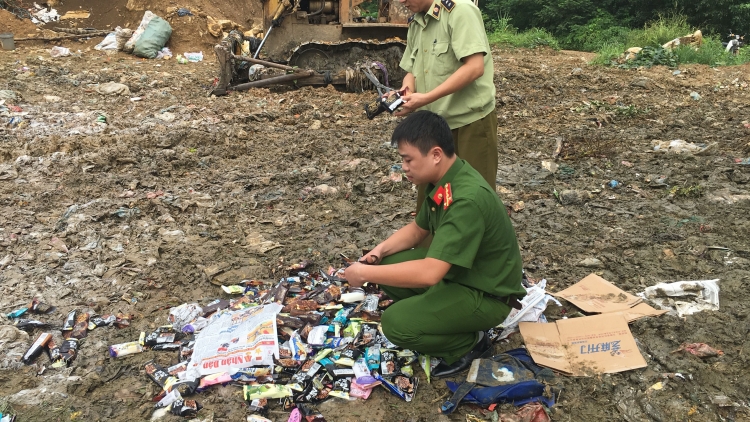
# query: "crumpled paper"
685,297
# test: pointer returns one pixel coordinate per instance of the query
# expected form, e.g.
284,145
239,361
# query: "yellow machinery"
331,39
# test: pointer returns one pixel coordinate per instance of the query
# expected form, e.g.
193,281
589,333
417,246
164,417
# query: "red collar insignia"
444,196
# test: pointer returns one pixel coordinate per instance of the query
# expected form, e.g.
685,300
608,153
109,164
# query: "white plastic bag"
532,309
59,52
109,42
164,54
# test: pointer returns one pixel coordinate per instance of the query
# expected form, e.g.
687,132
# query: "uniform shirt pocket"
443,60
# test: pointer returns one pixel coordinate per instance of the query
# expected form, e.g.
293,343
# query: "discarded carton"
584,346
641,310
595,294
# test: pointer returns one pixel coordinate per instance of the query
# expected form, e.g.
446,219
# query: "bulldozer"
317,42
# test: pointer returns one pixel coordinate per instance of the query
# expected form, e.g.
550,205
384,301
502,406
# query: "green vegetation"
693,191
582,24
501,32
610,41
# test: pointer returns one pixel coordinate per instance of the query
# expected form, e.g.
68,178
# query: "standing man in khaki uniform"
469,278
449,72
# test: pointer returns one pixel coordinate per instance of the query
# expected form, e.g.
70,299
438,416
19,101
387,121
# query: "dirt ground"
178,189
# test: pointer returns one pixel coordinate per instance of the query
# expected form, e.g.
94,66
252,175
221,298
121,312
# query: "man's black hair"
425,130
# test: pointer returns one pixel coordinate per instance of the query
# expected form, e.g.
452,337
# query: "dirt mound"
189,33
15,25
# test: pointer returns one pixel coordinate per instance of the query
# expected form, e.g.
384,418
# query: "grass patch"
501,32
654,35
694,191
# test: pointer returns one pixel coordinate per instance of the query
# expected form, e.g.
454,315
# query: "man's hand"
372,258
353,275
412,102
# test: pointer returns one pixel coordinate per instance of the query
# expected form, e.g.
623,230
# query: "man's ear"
437,154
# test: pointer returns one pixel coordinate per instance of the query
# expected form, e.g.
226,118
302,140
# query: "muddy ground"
178,189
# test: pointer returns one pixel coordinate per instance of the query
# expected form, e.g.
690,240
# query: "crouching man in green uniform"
446,296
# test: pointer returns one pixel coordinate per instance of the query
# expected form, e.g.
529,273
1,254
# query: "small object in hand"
390,103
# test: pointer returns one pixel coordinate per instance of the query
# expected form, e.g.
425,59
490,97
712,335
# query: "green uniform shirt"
436,43
473,234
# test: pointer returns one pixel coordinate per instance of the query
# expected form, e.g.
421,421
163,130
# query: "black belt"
508,300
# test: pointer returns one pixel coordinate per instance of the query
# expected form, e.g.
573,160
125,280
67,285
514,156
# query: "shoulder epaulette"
448,4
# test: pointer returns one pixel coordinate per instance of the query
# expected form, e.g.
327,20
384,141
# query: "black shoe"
483,346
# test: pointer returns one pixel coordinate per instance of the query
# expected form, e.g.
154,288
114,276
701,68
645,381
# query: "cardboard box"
584,346
594,294
641,310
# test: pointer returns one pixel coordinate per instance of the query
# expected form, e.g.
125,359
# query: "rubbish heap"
303,339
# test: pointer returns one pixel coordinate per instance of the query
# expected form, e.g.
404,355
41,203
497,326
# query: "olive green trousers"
443,320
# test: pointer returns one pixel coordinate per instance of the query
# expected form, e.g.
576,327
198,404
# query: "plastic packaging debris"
181,60
614,184
194,57
184,314
109,42
531,412
356,295
185,408
30,324
685,297
159,375
532,309
319,348
182,11
401,386
257,418
266,391
165,53
125,349
39,307
41,14
59,52
702,350
36,348
64,355
678,146
17,313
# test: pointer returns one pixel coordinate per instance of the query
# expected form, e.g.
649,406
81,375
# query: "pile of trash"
310,337
302,340
76,326
147,41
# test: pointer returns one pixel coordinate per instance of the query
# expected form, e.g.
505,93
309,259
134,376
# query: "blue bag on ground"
510,377
153,39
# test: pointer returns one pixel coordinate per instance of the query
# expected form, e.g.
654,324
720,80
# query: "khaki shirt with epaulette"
437,41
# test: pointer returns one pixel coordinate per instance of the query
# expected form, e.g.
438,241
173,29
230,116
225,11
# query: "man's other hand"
353,274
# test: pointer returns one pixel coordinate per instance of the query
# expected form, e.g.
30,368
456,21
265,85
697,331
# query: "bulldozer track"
348,56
